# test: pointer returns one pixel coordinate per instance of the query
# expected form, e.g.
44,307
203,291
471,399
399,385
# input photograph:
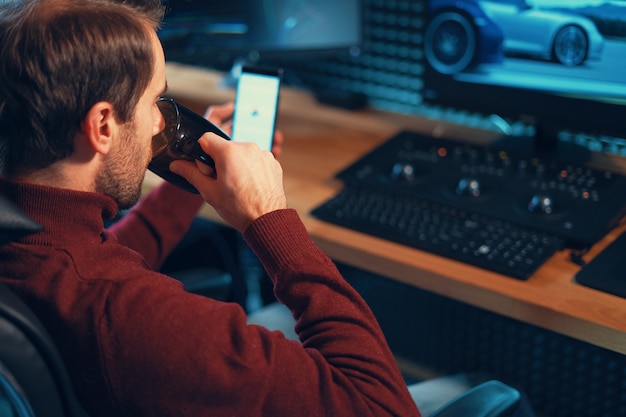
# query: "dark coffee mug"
179,140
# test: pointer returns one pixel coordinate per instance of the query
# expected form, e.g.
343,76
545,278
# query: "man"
78,89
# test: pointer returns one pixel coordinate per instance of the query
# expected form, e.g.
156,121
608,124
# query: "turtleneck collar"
67,216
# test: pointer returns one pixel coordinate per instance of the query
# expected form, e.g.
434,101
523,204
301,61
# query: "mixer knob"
541,204
402,171
468,187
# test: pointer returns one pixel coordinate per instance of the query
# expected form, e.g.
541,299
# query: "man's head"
59,59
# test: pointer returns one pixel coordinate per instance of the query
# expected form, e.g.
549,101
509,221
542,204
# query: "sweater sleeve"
158,222
172,353
334,323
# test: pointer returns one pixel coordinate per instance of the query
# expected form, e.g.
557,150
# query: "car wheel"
570,46
450,43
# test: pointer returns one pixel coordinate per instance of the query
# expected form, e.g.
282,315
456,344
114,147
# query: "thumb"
212,143
199,175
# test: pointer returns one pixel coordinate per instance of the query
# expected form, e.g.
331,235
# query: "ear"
99,126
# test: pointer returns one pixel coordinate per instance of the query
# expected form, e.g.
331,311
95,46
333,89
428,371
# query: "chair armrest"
14,223
489,399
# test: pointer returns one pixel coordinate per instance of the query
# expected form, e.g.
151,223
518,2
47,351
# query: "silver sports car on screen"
564,37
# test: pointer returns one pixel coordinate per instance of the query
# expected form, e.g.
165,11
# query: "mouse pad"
607,271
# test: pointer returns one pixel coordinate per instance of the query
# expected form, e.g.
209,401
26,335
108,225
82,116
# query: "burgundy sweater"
137,344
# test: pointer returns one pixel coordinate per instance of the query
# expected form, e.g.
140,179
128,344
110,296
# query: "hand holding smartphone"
256,105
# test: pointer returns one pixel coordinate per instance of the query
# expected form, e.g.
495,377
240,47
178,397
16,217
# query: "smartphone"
256,105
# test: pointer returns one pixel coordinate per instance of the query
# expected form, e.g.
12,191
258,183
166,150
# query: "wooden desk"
319,141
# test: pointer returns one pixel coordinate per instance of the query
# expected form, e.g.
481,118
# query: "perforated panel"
389,67
561,376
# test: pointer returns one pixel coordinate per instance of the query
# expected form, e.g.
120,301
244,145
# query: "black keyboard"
475,205
458,234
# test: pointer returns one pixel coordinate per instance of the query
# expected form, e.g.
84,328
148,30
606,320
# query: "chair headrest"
13,222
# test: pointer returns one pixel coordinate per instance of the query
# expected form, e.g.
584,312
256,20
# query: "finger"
211,143
190,172
228,127
277,144
220,113
205,169
183,168
195,174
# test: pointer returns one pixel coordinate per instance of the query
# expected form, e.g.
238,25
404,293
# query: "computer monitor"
558,65
221,34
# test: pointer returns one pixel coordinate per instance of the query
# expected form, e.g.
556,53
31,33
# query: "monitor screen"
217,33
555,64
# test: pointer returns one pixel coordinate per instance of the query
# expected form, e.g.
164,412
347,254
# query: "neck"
67,173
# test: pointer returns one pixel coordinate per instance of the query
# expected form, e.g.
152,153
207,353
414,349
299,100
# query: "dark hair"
60,57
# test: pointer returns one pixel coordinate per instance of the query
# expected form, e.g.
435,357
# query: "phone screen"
256,104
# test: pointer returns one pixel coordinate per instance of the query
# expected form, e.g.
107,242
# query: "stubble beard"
123,171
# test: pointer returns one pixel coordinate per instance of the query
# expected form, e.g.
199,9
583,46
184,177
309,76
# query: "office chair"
35,383
32,375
